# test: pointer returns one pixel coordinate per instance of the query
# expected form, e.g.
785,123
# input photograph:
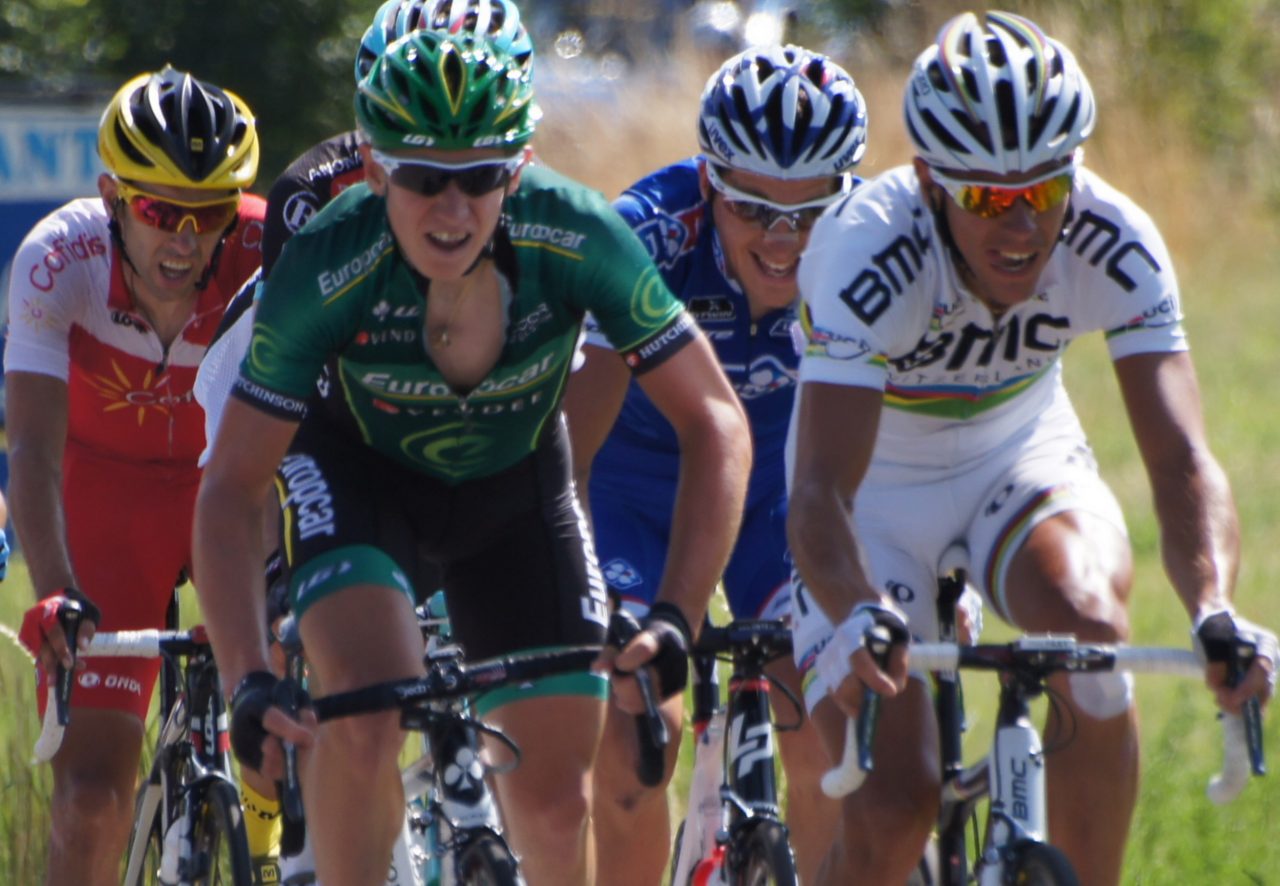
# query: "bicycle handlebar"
1043,655
112,644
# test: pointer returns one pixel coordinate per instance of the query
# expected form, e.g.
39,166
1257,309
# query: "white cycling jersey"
978,441
885,309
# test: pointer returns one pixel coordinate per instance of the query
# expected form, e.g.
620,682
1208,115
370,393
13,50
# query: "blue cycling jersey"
667,211
633,478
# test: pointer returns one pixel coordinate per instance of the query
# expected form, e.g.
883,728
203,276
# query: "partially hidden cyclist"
780,130
112,302
445,297
939,299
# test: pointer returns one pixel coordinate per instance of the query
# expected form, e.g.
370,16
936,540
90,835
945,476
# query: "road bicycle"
1014,844
733,830
453,830
188,826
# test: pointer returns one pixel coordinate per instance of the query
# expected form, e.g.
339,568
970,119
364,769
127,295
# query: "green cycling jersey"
343,307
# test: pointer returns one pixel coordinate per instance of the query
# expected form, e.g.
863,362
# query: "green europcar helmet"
431,89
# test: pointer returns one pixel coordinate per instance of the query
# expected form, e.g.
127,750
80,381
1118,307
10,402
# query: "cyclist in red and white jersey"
112,301
939,298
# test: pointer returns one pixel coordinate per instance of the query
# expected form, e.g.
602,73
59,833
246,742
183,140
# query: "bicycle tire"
675,855
219,848
1038,864
146,841
487,861
766,858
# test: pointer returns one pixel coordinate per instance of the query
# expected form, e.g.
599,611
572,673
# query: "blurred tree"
291,60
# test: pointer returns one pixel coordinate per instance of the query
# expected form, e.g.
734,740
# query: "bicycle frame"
446,814
192,750
748,789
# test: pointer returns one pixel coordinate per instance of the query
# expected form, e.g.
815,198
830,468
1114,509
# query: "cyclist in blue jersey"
780,129
442,300
938,301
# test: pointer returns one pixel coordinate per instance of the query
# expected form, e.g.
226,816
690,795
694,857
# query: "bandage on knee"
1102,695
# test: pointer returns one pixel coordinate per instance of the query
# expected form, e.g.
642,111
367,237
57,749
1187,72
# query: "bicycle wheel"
146,842
219,849
486,861
1038,864
765,859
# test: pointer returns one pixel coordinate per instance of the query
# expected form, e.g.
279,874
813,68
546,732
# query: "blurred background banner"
48,155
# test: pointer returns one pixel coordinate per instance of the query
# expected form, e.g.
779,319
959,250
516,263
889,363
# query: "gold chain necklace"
439,337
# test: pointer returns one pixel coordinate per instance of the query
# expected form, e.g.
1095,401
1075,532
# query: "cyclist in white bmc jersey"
938,299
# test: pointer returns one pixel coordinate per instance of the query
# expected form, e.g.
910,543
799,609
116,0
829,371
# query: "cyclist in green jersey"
439,304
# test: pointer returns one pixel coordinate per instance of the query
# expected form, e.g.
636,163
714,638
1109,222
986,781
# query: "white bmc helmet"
1000,97
784,112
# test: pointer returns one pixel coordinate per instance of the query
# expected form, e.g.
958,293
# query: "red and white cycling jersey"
71,316
134,427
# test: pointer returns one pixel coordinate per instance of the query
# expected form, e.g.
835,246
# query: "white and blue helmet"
499,20
784,112
997,96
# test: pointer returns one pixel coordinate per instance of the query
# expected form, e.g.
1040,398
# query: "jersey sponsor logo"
528,324
766,375
834,346
541,233
1164,314
334,280
668,237
60,256
712,308
322,575
307,495
123,318
1124,261
892,269
781,327
331,169
381,336
120,682
621,574
382,310
274,402
420,388
595,603
151,393
298,209
657,348
978,347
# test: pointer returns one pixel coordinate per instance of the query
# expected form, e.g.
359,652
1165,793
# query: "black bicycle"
188,826
733,830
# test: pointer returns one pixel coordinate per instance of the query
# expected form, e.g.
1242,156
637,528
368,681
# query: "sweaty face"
441,233
763,260
168,264
1006,253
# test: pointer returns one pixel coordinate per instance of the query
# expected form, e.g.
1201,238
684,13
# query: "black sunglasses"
429,178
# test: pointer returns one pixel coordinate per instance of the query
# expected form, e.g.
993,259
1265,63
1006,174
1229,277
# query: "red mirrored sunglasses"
172,215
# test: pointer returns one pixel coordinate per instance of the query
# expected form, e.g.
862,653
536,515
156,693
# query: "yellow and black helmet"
168,128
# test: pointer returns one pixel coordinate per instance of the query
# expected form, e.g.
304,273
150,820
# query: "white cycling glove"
833,663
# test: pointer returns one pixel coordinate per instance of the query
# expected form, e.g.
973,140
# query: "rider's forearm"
35,502
228,554
825,550
715,464
1199,532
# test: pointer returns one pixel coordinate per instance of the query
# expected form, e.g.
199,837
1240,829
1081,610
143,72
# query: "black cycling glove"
671,663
